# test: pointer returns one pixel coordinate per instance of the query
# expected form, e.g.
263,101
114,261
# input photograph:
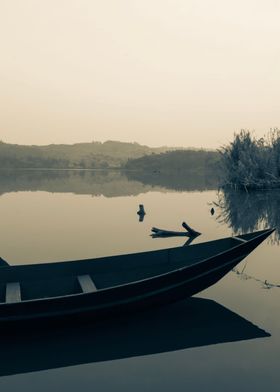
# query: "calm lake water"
227,338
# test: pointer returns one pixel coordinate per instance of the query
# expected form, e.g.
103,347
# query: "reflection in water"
180,181
246,212
108,183
192,323
83,182
244,276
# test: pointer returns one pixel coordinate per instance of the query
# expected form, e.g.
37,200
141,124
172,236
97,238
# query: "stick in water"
189,229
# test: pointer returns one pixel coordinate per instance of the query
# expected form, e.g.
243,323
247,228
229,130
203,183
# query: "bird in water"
212,211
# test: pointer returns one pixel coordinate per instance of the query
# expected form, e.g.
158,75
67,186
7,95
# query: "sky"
158,72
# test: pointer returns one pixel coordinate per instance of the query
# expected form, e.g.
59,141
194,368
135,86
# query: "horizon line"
110,140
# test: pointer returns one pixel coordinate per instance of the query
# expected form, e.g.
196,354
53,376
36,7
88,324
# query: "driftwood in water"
141,212
190,230
169,233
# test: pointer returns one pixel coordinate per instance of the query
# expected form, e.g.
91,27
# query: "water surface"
227,338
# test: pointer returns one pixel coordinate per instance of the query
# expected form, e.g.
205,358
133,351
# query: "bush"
250,163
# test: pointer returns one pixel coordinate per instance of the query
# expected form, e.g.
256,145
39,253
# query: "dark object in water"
191,323
166,234
212,211
190,230
169,233
141,212
106,285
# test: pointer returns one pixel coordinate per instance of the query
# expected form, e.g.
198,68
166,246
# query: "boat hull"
165,288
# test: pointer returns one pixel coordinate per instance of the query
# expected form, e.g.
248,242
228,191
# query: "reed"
251,163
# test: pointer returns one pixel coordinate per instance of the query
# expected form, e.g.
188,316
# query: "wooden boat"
94,287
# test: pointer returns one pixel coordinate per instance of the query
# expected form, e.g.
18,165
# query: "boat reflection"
192,323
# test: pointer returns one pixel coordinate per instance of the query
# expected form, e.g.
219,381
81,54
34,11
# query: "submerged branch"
169,233
265,283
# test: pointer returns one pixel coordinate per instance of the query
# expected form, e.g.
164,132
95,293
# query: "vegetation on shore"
110,154
251,163
192,161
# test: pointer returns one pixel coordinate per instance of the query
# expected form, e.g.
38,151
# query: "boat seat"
86,283
13,292
239,239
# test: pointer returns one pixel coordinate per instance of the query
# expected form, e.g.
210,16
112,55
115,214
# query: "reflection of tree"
245,212
184,180
109,183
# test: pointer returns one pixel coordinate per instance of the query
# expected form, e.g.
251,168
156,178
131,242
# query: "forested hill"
195,161
81,155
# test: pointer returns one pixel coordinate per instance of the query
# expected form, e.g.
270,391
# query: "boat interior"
46,280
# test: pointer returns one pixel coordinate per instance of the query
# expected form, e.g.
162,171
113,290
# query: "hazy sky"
159,72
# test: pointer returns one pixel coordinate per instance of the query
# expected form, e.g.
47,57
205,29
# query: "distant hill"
110,154
81,155
191,161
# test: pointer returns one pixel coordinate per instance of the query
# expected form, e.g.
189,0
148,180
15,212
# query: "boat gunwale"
172,272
